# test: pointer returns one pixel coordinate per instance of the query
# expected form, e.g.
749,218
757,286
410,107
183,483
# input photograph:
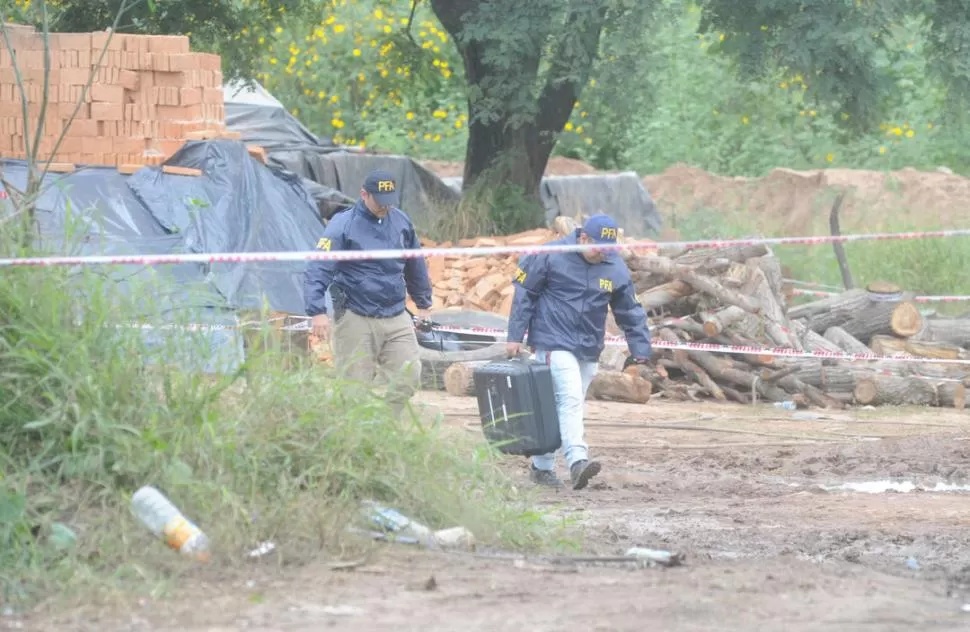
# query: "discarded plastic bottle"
164,519
787,405
393,520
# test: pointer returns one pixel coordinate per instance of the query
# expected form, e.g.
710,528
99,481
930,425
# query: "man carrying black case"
562,299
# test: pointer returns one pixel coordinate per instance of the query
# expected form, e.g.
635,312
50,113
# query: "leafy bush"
90,410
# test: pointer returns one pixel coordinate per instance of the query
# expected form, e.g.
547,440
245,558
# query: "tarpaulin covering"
237,205
424,197
261,119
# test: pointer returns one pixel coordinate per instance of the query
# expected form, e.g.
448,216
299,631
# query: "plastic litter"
164,519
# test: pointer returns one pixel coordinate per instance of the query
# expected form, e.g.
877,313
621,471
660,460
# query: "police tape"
919,299
785,352
368,255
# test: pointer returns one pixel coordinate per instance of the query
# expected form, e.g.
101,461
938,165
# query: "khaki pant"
365,347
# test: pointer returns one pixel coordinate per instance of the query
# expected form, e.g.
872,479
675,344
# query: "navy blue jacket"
375,287
562,300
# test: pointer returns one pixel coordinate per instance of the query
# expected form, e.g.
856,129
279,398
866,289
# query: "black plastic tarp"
262,120
237,205
423,195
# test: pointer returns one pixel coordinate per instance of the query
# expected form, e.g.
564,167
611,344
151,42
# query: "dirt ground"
794,203
738,490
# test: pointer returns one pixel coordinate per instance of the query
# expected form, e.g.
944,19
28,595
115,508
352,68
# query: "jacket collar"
363,211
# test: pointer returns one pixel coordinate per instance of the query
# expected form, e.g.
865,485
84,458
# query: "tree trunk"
511,138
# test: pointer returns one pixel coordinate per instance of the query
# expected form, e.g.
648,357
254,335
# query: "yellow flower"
334,99
378,13
882,150
279,29
439,114
579,130
356,52
361,77
745,120
338,28
897,131
321,95
458,124
409,116
261,39
910,133
272,60
387,29
427,136
829,157
437,138
582,115
589,141
568,127
445,73
337,123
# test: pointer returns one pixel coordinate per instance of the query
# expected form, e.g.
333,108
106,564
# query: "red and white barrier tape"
614,341
919,299
360,255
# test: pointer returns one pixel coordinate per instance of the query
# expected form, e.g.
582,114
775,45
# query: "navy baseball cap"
602,229
383,187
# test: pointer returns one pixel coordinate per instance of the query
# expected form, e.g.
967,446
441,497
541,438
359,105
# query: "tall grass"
935,266
269,450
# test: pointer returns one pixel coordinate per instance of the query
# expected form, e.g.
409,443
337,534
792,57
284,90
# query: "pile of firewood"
737,296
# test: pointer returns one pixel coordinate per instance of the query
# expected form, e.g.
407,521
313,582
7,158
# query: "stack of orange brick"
149,94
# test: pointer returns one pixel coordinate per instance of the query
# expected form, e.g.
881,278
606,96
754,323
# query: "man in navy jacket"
562,299
371,327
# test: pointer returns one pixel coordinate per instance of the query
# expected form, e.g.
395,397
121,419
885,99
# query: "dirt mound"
798,202
558,166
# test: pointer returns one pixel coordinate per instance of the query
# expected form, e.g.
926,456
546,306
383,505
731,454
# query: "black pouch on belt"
339,299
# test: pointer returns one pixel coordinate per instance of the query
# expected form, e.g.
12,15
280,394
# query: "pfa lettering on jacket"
520,275
323,244
606,284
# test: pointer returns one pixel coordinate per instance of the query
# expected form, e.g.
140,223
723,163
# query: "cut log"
901,318
832,311
717,322
459,378
951,395
701,283
888,346
731,253
891,390
616,386
955,331
435,363
723,371
844,341
662,295
830,379
813,341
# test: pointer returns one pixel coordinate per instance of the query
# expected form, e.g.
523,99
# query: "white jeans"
570,379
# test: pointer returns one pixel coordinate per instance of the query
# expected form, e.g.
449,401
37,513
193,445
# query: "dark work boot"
581,471
547,478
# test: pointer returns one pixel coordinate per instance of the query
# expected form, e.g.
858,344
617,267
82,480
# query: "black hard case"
517,404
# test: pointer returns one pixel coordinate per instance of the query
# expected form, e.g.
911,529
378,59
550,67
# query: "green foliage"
221,26
90,410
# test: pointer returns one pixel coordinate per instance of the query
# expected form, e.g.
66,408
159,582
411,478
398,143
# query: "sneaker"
544,477
581,471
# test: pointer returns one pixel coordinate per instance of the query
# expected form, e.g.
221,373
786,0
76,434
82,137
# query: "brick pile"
149,95
478,283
